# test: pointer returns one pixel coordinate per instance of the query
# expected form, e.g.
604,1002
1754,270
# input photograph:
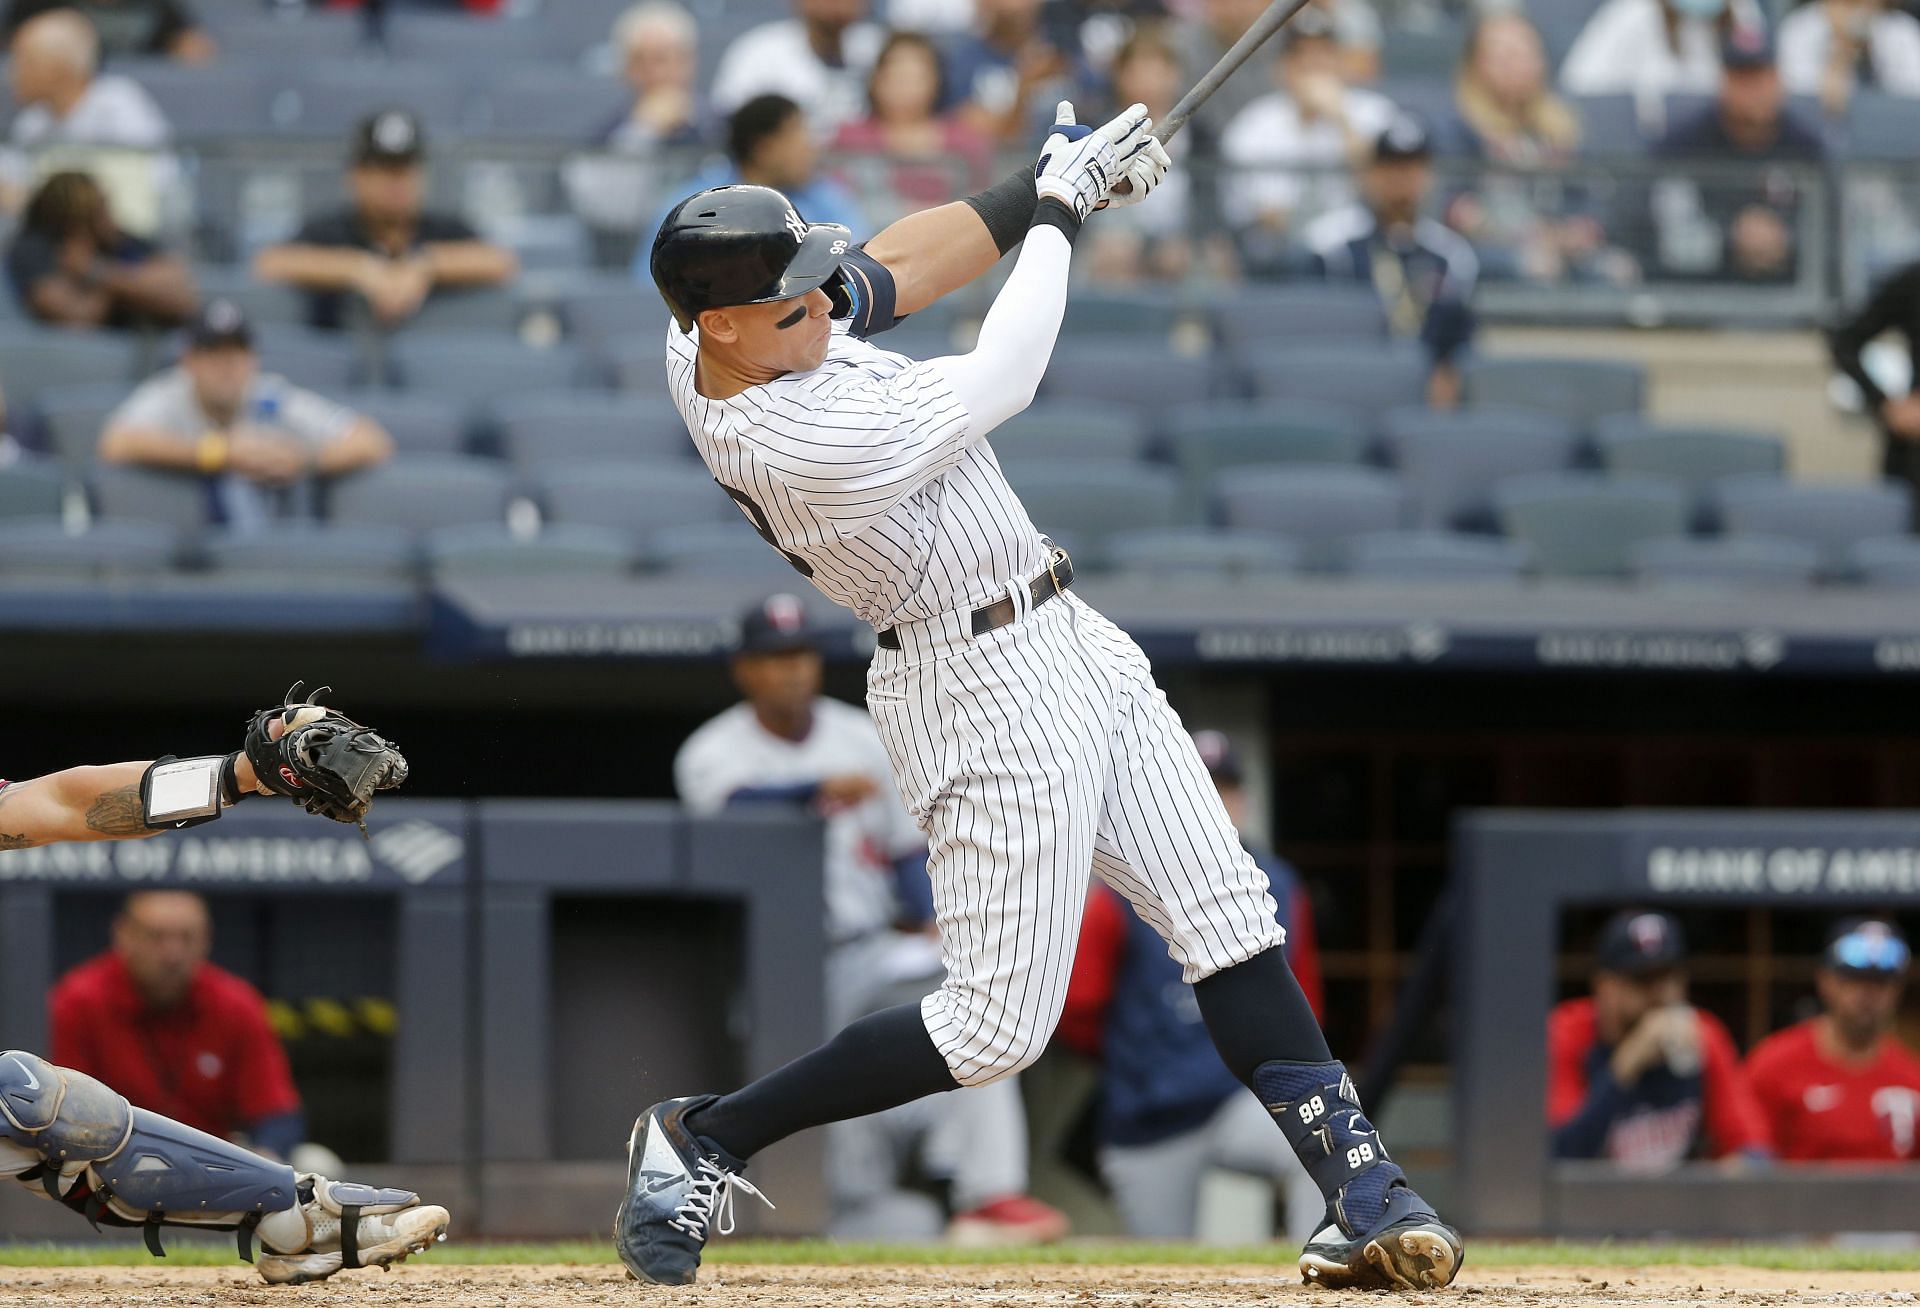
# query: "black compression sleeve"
1007,209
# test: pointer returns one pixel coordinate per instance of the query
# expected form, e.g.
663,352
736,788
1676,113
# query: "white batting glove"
1079,167
1148,170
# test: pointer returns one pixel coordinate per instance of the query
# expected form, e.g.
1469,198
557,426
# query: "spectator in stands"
1840,1087
1169,1110
1750,227
1013,68
1651,49
1424,272
658,43
819,59
384,249
769,143
1637,1075
1895,306
786,744
174,1033
932,157
248,434
127,28
1298,145
72,266
1830,48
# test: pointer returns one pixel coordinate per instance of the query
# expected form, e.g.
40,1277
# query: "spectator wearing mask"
1831,48
384,249
931,157
248,435
1635,1074
819,59
1895,306
1651,49
70,265
1169,1110
174,1033
1840,1087
1298,146
658,43
128,28
1424,272
1014,67
1750,224
769,143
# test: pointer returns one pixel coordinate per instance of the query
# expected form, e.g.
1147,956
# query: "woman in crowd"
926,157
1831,48
1651,49
71,266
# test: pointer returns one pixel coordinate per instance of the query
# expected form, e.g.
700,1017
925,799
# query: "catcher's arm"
87,803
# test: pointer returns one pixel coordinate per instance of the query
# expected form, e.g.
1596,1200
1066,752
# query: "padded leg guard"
1319,1112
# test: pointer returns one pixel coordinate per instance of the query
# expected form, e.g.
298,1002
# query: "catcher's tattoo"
20,840
15,842
117,813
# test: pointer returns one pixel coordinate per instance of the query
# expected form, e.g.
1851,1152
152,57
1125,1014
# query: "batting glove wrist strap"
1053,213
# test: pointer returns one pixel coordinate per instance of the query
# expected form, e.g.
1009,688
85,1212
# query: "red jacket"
1827,1112
212,1062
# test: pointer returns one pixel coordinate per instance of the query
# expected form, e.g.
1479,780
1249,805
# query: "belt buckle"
1054,560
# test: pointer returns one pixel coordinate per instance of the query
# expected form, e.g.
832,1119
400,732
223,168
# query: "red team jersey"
212,1063
1824,1111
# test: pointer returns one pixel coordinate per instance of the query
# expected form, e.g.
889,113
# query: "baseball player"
1025,731
68,1136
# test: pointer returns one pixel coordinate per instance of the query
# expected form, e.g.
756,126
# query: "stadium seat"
1762,562
1695,455
314,551
275,39
1088,502
421,492
333,96
607,312
1141,375
1582,524
1890,562
72,418
1208,438
1063,429
1882,126
1609,126
1580,390
557,106
1305,312
1120,313
483,309
560,550
121,493
1451,460
39,359
1433,556
323,361
231,98
638,362
564,426
1315,508
483,366
266,305
487,45
43,548
419,423
1414,54
719,549
31,489
635,495
1831,518
1370,378
1202,551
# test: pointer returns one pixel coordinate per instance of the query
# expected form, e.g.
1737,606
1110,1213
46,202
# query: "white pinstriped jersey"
867,471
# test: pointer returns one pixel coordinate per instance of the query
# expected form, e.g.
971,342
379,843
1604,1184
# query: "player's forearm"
939,250
469,263
84,803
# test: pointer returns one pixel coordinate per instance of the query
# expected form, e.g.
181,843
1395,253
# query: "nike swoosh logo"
658,1181
33,1082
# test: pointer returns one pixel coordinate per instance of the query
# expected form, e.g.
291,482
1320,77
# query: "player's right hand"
1079,167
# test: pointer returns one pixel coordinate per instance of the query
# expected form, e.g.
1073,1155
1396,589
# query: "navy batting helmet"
745,245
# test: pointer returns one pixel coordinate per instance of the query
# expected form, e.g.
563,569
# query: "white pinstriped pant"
1031,757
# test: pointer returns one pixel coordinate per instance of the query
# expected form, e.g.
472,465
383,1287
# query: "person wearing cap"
787,744
1840,1087
1169,1110
1294,149
249,435
1635,1074
1743,227
384,249
71,265
1423,271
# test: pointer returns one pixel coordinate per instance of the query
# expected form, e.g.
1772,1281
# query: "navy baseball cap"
1217,752
390,138
1746,46
1865,946
1403,139
776,625
219,324
1639,942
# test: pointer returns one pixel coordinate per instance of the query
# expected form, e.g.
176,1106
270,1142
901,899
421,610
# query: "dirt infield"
421,1282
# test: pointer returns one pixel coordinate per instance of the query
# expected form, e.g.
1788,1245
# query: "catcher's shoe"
1407,1247
346,1226
679,1189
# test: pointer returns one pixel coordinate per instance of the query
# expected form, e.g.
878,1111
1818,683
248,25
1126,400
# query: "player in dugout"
69,1136
1637,1075
1840,1087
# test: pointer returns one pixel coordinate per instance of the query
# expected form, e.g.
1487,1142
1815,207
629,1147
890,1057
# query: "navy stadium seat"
43,548
421,492
1314,507
123,493
635,495
1060,429
1140,374
1583,524
1370,378
1088,502
31,489
560,550
1309,313
39,359
565,426
482,366
419,422
1580,390
1433,556
1202,551
719,549
1831,518
1890,562
1724,562
309,551
1451,460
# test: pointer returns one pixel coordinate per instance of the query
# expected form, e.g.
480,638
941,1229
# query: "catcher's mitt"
325,761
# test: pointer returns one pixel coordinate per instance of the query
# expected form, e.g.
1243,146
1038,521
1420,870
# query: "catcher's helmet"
745,245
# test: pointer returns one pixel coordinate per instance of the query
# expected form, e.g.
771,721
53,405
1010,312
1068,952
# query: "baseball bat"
1277,15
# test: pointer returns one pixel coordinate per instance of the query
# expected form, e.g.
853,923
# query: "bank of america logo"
417,851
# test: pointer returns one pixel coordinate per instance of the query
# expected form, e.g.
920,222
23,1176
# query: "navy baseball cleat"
1406,1247
679,1189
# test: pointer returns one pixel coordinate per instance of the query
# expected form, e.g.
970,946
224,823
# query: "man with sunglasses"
1840,1087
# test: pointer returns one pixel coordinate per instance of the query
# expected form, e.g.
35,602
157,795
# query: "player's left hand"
321,759
1080,167
1148,170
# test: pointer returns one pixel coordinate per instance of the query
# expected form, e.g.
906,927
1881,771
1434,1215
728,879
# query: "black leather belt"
1054,581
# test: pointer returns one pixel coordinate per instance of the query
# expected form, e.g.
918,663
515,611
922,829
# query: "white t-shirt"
113,110
1623,50
776,58
1893,48
1295,165
733,752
